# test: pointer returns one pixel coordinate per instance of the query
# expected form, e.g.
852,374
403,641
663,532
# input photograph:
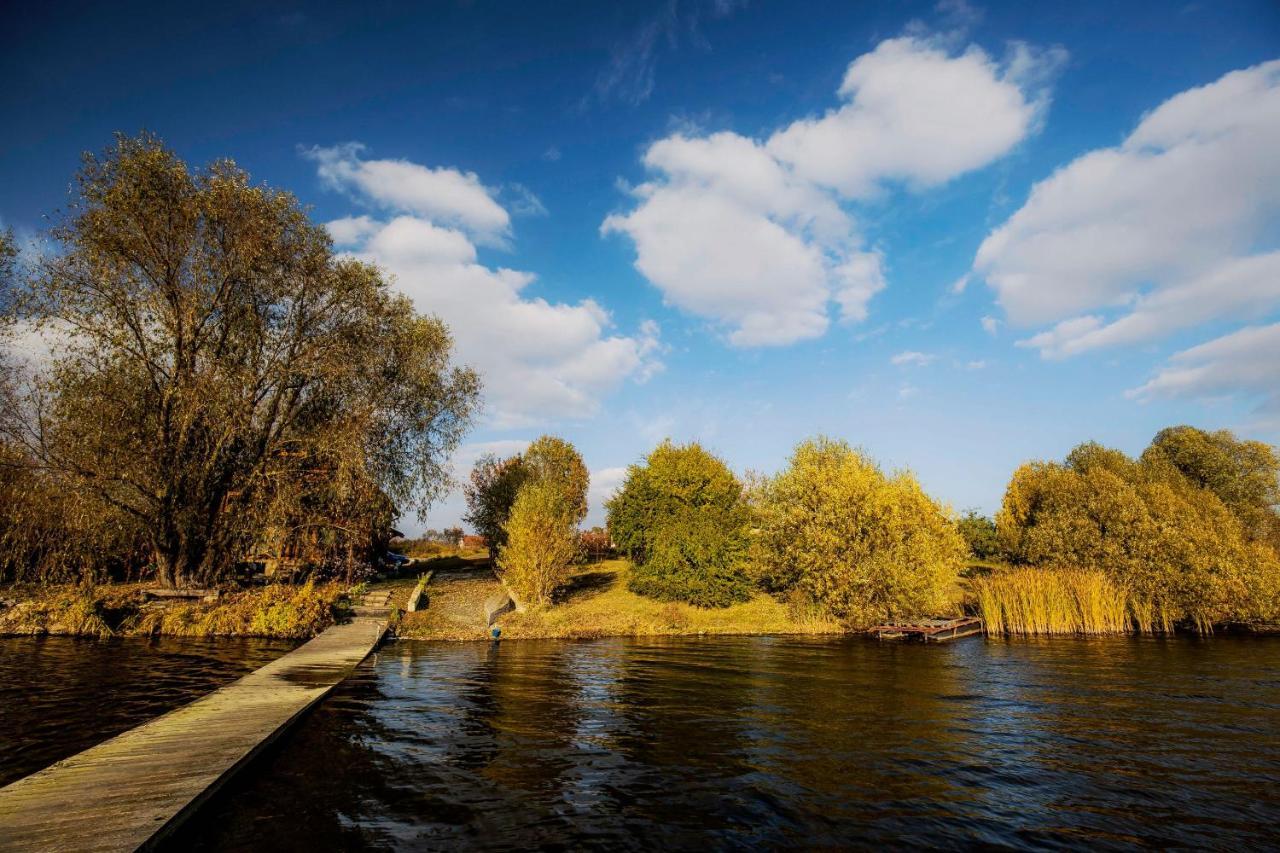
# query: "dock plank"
130,791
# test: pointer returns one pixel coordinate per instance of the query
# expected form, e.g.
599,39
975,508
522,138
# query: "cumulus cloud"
915,113
540,360
752,234
913,359
1246,361
443,195
1164,232
990,324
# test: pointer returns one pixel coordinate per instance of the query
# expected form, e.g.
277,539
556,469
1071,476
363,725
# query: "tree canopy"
222,370
866,546
1183,551
681,518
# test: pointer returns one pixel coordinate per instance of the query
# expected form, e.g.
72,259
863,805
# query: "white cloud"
727,233
1236,289
539,360
906,392
917,114
1246,362
1164,232
990,325
913,358
977,364
752,235
604,482
447,196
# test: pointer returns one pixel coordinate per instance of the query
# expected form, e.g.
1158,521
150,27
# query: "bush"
979,533
680,517
865,546
1181,553
541,541
695,558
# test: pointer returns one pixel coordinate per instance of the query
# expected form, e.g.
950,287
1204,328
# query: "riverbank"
595,603
280,611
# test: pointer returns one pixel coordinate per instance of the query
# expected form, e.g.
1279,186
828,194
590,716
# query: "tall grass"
1029,601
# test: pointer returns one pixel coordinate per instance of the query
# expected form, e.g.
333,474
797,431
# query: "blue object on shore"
497,632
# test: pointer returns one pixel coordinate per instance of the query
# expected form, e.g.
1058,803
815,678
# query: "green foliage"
979,533
554,460
490,495
696,558
1180,551
865,546
681,518
541,541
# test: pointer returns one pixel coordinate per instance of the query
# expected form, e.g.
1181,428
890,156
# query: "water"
768,742
60,695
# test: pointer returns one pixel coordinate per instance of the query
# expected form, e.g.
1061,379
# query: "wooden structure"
132,790
929,630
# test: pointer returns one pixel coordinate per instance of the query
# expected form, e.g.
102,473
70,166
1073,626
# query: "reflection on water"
776,742
61,695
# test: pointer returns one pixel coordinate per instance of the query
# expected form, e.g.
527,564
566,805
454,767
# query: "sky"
960,236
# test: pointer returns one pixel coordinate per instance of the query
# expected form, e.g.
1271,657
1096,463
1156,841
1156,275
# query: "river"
768,742
61,695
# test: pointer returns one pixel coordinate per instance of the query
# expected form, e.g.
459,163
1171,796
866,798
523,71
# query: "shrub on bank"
696,558
865,546
541,541
1182,555
681,519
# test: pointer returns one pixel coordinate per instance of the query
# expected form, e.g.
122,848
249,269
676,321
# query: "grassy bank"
280,610
595,603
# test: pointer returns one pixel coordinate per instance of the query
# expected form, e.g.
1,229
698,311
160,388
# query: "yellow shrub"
866,546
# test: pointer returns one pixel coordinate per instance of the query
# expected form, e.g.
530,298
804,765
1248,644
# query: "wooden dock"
929,630
131,791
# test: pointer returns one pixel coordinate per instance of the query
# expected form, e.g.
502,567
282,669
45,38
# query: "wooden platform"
929,630
130,791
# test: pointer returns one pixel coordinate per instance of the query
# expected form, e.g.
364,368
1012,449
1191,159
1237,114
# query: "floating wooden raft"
929,630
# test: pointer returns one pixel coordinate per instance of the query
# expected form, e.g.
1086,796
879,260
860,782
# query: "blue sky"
960,236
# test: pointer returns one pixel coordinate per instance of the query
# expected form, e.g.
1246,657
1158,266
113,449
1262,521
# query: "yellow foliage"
541,542
866,546
1180,552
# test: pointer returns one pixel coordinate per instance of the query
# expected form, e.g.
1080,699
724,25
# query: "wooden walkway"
130,791
929,630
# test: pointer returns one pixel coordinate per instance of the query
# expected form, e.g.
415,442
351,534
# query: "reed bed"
1031,601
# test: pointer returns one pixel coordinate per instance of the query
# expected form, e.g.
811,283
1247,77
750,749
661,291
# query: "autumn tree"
864,545
554,460
490,493
1182,553
541,541
681,519
1245,475
219,354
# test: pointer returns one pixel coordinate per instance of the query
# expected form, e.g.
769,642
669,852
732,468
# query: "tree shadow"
584,585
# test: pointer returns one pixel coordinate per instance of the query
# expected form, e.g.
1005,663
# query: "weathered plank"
130,791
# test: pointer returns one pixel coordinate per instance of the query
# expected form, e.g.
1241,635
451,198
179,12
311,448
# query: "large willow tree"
219,368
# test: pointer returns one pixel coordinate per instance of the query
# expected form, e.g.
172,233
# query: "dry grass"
279,610
1030,601
596,603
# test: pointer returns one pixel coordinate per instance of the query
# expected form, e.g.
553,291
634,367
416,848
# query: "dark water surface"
61,695
732,743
